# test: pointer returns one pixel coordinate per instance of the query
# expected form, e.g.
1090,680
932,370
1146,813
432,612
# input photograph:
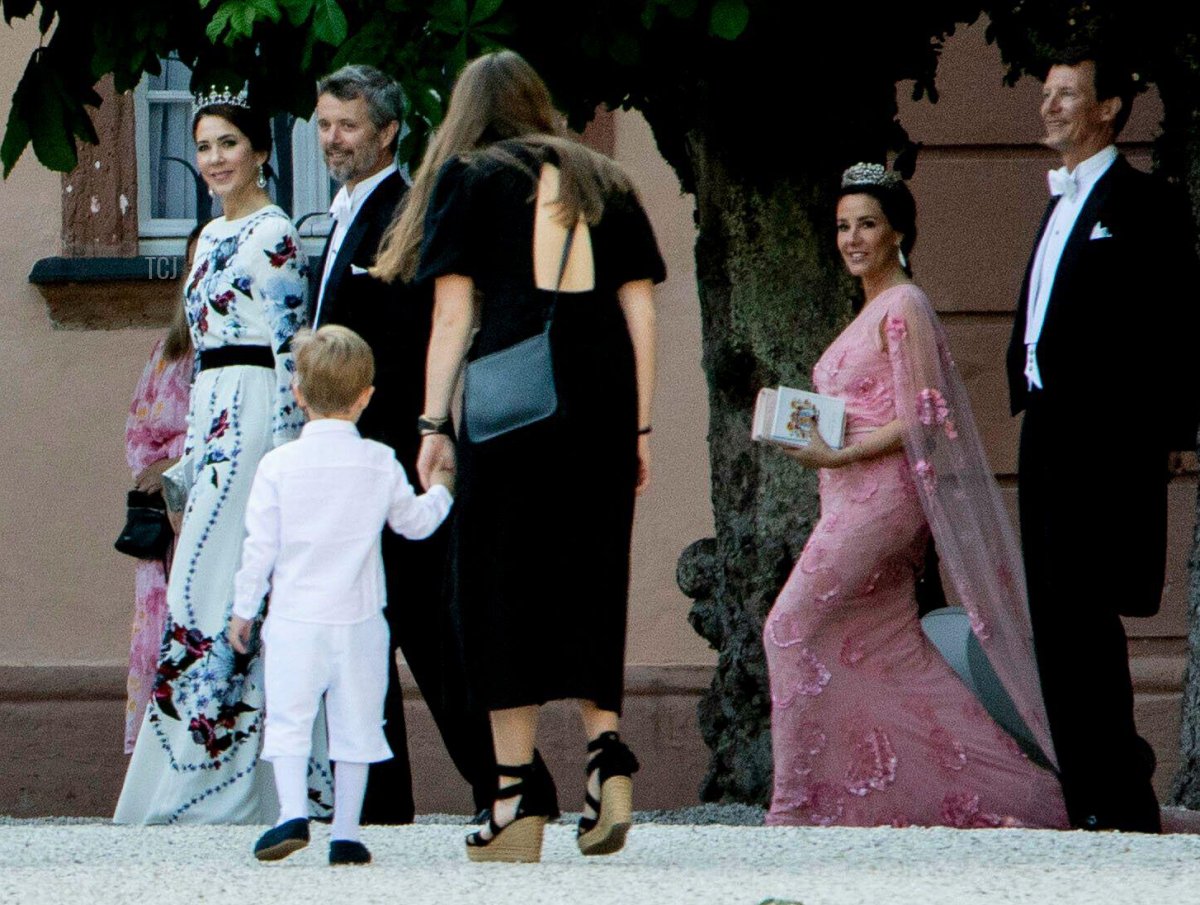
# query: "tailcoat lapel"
315,278
1077,242
384,194
1023,299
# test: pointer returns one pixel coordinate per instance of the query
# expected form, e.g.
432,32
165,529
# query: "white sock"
349,787
291,785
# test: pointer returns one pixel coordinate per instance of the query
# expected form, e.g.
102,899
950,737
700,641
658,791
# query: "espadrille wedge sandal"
604,833
521,838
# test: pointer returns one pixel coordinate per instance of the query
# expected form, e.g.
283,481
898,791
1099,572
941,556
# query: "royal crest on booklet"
785,416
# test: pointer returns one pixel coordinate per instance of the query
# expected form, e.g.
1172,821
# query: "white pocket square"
1100,231
357,271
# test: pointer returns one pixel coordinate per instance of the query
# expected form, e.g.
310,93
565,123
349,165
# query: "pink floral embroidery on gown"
155,429
870,726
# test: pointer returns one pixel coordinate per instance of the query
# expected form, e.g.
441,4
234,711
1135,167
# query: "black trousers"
1091,540
418,616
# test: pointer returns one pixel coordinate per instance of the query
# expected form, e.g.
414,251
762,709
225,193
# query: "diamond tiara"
200,101
870,174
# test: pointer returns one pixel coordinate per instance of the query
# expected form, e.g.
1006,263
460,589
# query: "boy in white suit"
314,520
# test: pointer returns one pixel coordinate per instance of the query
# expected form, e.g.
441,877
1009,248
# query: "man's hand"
239,634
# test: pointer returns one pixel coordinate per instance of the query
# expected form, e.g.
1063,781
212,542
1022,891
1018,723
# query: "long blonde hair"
498,96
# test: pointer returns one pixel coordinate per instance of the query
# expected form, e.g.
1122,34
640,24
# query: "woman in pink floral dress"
154,436
870,725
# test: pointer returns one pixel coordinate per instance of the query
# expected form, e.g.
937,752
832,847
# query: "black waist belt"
227,356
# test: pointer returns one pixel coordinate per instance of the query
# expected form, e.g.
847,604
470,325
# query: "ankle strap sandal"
605,833
520,839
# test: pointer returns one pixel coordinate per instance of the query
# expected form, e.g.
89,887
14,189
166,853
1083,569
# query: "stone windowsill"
111,293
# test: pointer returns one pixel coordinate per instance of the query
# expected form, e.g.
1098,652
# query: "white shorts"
348,665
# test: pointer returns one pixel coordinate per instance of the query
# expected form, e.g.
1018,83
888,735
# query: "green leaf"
306,55
241,23
368,45
428,103
329,22
267,9
728,19
216,27
16,132
52,141
457,57
412,145
297,11
448,15
484,10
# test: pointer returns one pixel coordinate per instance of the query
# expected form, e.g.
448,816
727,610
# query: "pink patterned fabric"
155,430
870,726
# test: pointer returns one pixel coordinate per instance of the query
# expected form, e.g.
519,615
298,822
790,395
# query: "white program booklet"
783,415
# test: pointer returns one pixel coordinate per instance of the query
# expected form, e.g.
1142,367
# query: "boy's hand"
239,634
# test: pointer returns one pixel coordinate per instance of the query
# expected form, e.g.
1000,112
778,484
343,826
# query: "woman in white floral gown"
196,758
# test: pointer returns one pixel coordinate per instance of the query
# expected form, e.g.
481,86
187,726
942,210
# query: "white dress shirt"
344,209
313,522
1072,189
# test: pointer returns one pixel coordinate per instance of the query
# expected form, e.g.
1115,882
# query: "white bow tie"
1063,183
340,209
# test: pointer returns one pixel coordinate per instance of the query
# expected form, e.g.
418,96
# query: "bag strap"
562,269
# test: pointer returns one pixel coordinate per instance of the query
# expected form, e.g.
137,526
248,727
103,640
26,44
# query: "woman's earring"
903,257
262,177
212,194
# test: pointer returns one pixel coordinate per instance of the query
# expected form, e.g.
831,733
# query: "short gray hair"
383,95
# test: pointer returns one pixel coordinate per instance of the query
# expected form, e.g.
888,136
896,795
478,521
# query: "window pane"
174,77
172,185
312,188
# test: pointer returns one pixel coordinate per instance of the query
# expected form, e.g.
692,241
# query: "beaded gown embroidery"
869,724
196,757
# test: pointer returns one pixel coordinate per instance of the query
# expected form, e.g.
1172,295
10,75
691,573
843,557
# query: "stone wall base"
62,730
62,737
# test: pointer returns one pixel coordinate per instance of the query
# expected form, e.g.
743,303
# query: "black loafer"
280,841
343,851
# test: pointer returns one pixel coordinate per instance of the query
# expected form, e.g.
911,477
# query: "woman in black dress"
545,512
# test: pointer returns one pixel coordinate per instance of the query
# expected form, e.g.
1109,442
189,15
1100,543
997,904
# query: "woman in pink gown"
154,435
870,725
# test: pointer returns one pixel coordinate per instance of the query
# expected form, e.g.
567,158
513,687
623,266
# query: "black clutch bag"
147,533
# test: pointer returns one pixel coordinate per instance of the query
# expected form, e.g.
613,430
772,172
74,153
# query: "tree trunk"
772,297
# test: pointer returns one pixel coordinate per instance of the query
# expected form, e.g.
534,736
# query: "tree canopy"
734,68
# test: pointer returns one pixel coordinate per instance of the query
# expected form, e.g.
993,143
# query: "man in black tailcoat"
1103,322
358,123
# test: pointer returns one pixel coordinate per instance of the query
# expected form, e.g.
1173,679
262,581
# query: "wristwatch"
427,425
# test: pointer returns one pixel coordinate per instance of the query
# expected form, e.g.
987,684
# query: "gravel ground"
720,857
